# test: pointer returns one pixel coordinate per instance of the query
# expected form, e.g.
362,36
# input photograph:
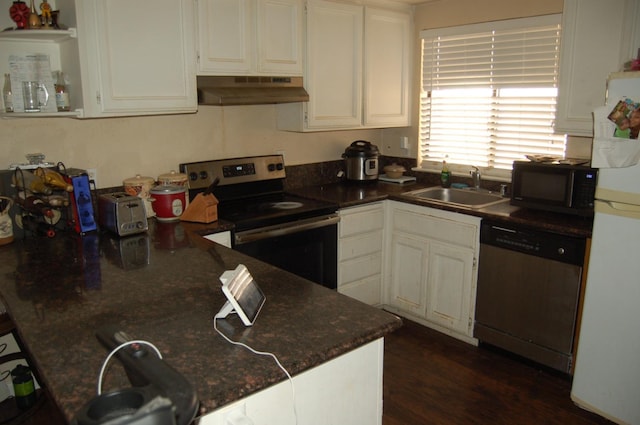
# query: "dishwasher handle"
284,229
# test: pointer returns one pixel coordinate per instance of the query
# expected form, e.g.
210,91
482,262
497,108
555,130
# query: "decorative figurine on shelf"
45,7
19,13
54,19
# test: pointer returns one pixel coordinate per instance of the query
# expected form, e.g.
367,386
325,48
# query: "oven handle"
285,228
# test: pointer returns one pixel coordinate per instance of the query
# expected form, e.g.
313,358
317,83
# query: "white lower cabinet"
360,252
345,390
432,268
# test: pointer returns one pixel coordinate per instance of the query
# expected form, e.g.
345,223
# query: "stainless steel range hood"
250,90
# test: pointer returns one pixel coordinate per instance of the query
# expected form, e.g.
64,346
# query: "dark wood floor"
430,378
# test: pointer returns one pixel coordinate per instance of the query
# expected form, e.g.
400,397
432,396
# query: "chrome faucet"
475,177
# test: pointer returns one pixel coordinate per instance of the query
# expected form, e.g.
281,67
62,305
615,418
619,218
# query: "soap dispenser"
445,174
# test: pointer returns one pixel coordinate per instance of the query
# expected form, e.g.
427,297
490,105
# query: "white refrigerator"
607,370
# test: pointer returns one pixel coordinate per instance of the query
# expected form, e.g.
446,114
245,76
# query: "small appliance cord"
114,351
264,353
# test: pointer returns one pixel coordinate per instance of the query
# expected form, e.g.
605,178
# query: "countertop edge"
351,195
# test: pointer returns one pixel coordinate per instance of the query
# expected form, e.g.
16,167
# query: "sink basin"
467,198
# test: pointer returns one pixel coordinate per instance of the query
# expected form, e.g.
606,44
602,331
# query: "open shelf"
73,114
40,35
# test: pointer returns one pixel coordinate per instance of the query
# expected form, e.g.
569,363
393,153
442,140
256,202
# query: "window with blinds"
489,92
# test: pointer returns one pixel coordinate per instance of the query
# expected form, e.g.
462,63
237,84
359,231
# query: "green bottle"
445,175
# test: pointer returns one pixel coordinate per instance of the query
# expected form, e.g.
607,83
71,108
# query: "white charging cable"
115,350
264,353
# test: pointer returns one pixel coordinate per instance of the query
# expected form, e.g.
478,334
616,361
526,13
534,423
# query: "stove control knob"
271,167
279,166
204,175
193,176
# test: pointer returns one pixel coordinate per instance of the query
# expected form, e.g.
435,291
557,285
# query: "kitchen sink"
467,198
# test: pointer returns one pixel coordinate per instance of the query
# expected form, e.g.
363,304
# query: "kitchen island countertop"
166,290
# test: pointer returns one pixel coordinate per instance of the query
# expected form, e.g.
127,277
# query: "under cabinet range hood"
250,90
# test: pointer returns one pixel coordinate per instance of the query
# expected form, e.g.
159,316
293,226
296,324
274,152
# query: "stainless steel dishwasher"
528,292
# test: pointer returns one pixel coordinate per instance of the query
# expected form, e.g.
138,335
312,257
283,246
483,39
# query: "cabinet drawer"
361,220
357,246
359,268
367,290
449,231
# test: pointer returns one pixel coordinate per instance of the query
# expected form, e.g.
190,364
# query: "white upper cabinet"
356,69
121,58
137,57
387,52
334,65
250,37
597,38
280,37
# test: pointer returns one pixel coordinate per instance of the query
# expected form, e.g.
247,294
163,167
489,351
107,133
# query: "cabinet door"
408,274
387,44
225,37
597,38
139,56
334,65
450,276
279,37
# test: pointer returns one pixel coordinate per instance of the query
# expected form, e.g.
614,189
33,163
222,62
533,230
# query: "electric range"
294,233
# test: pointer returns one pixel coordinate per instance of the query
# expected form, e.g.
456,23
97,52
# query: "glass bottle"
7,94
34,18
62,94
31,182
53,179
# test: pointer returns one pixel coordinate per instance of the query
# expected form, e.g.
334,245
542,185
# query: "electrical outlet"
93,175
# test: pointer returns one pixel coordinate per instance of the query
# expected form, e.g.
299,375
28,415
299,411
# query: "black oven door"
307,248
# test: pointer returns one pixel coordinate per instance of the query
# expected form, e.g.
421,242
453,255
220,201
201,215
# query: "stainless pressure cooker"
361,161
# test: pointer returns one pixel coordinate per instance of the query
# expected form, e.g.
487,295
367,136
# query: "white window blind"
489,93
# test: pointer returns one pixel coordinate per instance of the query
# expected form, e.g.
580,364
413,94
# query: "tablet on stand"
243,294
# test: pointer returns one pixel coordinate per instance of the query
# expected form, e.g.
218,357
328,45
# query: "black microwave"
563,188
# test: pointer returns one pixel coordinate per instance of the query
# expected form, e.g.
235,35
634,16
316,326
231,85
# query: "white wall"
123,147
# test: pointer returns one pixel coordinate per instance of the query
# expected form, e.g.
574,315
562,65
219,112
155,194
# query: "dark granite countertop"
163,287
348,194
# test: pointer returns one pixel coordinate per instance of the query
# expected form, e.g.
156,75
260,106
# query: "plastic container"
23,386
173,178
